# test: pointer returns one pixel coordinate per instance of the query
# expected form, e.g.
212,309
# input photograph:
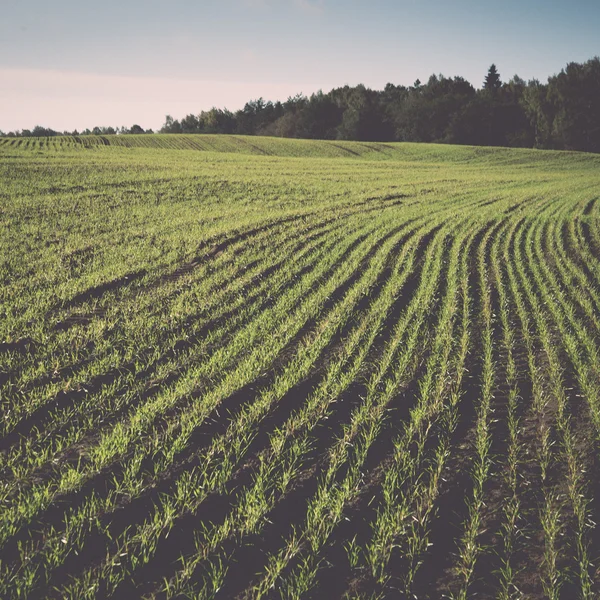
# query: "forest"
561,114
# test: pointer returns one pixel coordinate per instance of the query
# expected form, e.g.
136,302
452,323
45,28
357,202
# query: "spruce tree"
492,80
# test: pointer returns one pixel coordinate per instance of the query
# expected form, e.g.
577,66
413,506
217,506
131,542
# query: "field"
256,368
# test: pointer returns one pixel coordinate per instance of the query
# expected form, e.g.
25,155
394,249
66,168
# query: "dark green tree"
362,117
190,124
575,98
171,125
216,120
428,112
492,81
39,131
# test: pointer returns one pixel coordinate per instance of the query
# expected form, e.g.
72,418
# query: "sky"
72,64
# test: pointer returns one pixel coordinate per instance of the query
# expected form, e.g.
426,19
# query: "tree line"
563,113
39,131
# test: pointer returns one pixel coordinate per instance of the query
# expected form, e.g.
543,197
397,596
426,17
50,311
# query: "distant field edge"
286,147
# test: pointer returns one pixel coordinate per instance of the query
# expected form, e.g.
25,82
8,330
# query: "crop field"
241,367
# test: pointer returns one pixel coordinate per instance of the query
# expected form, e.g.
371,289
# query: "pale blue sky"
78,63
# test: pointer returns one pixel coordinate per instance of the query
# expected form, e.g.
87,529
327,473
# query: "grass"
252,367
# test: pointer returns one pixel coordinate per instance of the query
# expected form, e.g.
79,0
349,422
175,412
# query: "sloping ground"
282,147
228,375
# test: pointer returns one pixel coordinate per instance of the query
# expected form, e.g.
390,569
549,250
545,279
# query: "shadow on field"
23,346
99,290
209,250
589,239
589,207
